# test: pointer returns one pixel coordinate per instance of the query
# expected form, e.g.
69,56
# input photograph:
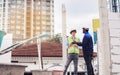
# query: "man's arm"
78,43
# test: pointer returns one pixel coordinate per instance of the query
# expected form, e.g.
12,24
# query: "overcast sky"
79,14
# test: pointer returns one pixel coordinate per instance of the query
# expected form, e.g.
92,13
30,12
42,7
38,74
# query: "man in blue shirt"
87,47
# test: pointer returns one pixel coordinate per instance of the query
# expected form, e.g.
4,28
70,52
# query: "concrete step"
115,32
114,16
115,41
115,68
115,73
114,20
114,23
115,58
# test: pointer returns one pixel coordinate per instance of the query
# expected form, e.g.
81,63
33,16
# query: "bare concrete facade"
114,25
11,69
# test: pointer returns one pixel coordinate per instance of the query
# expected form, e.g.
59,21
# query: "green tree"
56,38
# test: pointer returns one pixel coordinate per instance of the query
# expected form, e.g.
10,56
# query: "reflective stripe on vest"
73,49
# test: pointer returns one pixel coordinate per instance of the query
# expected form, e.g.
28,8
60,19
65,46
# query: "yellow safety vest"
73,49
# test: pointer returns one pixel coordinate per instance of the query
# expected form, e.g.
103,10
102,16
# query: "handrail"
14,46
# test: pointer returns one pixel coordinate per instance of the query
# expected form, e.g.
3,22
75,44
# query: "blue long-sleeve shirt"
87,43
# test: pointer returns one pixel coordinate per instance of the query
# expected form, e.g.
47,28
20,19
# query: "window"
48,4
12,27
114,5
37,17
38,28
38,7
18,27
0,0
13,6
43,12
37,23
4,5
48,23
48,18
19,1
43,28
12,21
38,3
0,5
28,3
0,10
52,1
44,8
48,1
17,32
14,61
18,17
44,18
48,8
43,22
19,22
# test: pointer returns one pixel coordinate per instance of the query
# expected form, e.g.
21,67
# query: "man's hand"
92,57
79,43
74,42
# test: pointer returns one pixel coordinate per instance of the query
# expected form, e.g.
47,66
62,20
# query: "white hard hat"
72,30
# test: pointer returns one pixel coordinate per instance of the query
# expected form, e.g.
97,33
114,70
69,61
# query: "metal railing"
16,45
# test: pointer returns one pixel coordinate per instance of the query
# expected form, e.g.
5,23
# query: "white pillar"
1,26
32,14
104,44
6,16
6,42
64,51
39,53
25,10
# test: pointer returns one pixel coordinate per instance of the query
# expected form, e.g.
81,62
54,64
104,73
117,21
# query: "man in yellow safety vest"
73,52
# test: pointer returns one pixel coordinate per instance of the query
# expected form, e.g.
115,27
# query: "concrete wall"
11,69
57,72
114,30
37,72
114,24
32,63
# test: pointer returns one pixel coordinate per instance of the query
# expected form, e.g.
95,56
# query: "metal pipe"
14,46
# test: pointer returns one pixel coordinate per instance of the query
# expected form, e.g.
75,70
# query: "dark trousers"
88,59
74,58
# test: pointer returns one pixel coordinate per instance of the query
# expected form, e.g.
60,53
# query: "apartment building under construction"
27,18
